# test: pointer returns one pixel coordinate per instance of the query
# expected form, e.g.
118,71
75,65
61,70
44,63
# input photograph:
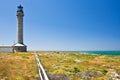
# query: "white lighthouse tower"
19,46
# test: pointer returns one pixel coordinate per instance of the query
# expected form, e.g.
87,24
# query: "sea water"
113,53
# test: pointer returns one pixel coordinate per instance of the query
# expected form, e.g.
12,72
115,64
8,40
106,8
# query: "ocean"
111,53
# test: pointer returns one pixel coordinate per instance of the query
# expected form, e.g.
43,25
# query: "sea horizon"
99,52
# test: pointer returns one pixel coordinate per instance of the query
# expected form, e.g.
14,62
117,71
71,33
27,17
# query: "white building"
9,49
19,46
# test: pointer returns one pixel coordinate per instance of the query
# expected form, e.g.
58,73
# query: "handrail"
42,73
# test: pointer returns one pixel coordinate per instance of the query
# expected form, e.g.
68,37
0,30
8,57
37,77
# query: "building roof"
20,8
5,46
18,44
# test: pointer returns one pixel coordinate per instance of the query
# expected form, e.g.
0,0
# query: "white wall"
6,49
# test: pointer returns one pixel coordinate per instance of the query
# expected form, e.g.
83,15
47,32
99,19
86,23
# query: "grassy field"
81,66
59,66
18,66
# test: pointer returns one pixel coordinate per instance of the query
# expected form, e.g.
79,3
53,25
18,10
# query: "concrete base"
20,48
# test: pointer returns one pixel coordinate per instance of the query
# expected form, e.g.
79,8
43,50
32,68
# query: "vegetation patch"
76,66
18,66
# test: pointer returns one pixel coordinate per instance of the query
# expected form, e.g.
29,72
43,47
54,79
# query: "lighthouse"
20,46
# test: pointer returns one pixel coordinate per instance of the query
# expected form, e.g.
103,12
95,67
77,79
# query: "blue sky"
63,24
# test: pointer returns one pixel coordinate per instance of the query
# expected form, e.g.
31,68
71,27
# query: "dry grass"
23,66
18,66
71,64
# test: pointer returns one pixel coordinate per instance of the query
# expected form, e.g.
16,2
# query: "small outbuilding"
9,49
